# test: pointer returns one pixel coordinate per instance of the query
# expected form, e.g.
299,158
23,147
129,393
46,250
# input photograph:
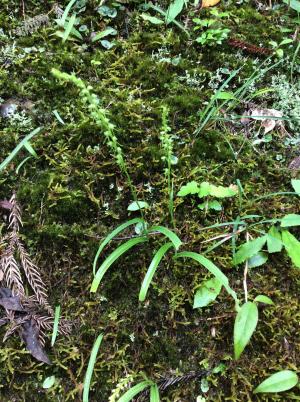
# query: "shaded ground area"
73,195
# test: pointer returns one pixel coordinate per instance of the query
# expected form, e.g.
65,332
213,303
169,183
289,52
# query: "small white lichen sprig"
167,146
99,115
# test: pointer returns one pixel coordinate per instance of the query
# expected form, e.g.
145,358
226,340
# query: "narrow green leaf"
66,12
137,205
249,249
69,28
112,258
113,234
103,34
278,382
22,163
11,156
90,369
263,299
55,325
154,393
211,268
152,268
153,20
29,148
225,95
292,246
174,9
57,115
244,326
132,392
169,234
274,242
290,220
208,292
49,382
296,185
257,260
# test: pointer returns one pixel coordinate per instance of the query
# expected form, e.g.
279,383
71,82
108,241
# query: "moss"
73,195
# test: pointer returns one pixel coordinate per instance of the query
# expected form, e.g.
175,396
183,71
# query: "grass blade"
111,236
66,12
154,393
90,369
132,392
168,233
112,258
55,325
152,268
18,147
69,28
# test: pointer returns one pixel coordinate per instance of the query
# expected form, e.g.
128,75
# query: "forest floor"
73,193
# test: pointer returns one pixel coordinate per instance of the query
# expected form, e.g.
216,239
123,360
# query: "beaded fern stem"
167,146
99,115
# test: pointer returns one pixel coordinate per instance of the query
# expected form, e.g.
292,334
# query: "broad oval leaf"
132,392
244,326
249,249
292,246
294,4
114,233
208,292
152,268
112,258
290,220
174,9
90,369
169,234
49,382
258,259
137,205
189,188
263,299
278,382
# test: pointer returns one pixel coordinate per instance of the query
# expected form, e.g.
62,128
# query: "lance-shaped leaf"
174,9
244,326
152,268
113,234
112,258
278,382
249,249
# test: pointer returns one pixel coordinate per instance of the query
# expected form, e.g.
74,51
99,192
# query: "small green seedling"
209,192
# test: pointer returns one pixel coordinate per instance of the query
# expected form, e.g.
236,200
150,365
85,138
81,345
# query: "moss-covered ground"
74,194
